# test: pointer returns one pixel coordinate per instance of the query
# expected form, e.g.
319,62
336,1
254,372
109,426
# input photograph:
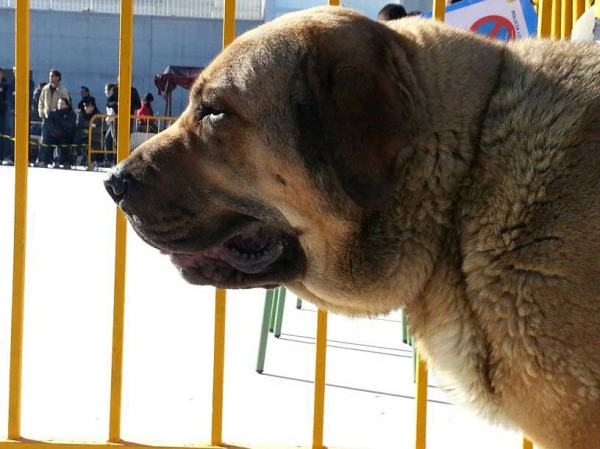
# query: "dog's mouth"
257,255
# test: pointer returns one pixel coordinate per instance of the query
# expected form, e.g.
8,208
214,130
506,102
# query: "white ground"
168,346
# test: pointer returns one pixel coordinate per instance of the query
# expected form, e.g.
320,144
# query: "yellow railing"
146,127
123,125
555,20
20,231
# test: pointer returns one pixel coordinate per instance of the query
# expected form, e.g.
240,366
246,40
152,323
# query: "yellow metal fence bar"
228,22
439,13
544,18
566,19
421,401
221,295
555,21
123,127
578,10
218,367
20,229
439,10
597,10
320,363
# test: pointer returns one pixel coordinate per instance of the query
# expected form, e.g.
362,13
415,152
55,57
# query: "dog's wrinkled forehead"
270,54
244,68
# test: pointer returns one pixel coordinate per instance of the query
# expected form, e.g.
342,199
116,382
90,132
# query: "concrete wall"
84,46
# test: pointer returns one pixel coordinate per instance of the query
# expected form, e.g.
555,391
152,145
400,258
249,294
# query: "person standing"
51,93
110,137
112,104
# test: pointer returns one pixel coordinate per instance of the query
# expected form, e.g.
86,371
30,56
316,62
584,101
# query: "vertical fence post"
20,230
320,363
123,128
421,401
544,18
578,10
566,19
221,295
439,10
555,20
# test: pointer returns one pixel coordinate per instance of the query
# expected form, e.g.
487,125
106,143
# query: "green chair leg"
405,336
273,309
412,341
279,314
408,339
414,361
264,331
298,303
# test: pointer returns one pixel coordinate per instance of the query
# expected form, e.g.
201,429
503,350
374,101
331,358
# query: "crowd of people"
64,130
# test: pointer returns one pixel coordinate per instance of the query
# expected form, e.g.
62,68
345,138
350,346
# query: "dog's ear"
365,114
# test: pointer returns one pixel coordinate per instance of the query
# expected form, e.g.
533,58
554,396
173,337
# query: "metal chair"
273,318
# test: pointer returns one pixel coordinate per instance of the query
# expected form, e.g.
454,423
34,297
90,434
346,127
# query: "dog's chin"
257,255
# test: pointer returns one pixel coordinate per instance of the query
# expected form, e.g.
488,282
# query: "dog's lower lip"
243,262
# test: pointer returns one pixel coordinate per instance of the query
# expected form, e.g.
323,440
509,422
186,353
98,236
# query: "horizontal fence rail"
210,9
144,127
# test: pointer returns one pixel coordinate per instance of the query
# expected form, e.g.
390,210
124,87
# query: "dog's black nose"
116,185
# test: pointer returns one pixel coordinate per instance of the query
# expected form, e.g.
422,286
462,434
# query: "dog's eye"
210,113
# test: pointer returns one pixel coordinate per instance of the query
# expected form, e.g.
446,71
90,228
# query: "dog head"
293,137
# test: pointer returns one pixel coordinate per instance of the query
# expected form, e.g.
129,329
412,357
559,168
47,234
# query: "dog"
370,167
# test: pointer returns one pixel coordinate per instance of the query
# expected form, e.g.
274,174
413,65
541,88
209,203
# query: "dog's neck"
450,111
420,255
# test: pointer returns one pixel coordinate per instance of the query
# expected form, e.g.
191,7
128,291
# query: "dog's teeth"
239,255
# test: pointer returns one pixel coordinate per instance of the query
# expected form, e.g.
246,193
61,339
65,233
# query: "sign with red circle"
495,26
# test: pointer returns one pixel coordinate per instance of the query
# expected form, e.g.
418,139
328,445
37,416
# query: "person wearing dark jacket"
113,99
59,130
112,102
82,127
85,96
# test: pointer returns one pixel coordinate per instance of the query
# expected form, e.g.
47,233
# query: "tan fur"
457,178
